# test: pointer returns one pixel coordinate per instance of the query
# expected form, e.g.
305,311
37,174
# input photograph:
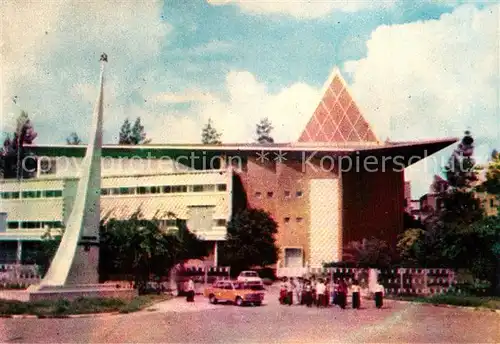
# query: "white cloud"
303,9
191,96
432,79
236,117
48,46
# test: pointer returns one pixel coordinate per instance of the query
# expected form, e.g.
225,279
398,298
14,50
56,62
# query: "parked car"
236,292
250,277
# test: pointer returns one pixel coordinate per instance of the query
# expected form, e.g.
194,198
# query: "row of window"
173,223
31,194
286,194
144,190
33,224
140,190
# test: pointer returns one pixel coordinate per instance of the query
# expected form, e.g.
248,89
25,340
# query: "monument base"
71,292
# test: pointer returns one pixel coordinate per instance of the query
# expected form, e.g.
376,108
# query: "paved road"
176,321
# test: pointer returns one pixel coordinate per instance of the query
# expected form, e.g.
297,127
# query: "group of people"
323,293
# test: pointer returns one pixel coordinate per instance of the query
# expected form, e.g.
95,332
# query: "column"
19,252
216,258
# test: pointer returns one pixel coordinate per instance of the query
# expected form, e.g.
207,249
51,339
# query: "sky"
417,69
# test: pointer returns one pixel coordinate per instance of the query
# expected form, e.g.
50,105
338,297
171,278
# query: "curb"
450,306
73,316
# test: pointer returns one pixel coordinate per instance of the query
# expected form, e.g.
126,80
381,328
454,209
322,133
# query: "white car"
250,277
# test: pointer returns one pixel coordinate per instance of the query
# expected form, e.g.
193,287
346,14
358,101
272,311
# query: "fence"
395,281
18,276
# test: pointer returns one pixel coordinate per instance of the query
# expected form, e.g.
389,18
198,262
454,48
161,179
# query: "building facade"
338,183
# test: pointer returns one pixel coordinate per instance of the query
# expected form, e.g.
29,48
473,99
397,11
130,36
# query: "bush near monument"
61,308
134,247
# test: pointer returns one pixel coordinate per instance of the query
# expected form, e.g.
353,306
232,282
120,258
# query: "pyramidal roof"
337,118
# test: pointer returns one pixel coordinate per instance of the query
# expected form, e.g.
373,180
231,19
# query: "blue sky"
418,69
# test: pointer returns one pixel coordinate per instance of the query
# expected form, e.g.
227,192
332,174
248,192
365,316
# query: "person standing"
356,295
320,293
190,291
298,291
308,294
335,286
342,294
290,291
379,295
283,291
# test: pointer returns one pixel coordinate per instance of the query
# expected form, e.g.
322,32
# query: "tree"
139,247
13,156
134,247
45,252
73,139
492,182
210,135
132,134
125,133
250,240
263,130
406,245
371,252
460,171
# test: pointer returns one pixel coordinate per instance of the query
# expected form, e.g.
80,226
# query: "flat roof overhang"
403,153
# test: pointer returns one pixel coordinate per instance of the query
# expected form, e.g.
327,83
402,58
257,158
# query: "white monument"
74,269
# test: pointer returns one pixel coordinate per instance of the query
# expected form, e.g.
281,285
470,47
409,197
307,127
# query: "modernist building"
336,184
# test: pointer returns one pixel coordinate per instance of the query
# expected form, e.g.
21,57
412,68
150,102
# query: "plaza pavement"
177,321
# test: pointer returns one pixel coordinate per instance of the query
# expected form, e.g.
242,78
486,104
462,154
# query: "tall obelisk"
77,258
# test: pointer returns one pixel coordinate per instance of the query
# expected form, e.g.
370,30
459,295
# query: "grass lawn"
455,300
78,306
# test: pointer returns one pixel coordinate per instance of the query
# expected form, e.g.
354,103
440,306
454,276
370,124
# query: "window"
13,225
258,194
287,219
31,194
14,195
126,191
221,187
30,225
270,194
287,194
155,189
104,192
115,191
203,188
220,222
179,188
197,188
492,202
142,190
299,219
299,193
167,189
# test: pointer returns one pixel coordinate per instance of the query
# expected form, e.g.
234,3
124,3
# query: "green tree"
73,139
370,252
263,131
460,171
406,245
47,249
132,134
210,135
250,240
13,158
134,247
125,133
492,182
